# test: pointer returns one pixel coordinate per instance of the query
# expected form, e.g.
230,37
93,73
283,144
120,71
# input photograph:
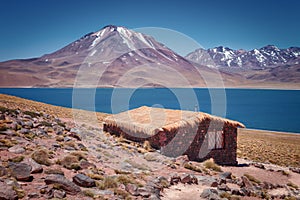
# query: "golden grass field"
257,145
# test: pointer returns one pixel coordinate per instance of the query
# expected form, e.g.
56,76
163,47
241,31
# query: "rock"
214,184
21,171
67,139
131,189
225,175
246,183
24,131
296,170
223,187
85,164
259,165
68,186
181,160
7,192
210,193
14,126
189,179
75,135
83,180
175,179
237,192
28,124
2,117
18,149
3,171
35,167
33,195
144,192
60,194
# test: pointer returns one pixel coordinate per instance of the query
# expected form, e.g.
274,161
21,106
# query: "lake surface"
277,110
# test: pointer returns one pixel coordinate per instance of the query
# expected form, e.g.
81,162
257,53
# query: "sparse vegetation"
41,156
45,123
16,159
210,164
8,143
123,194
54,171
147,145
96,176
192,167
32,114
108,182
252,178
70,162
88,193
293,185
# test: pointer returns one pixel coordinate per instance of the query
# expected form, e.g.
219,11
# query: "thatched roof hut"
164,128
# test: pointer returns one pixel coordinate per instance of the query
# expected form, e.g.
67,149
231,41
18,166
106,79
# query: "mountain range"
118,57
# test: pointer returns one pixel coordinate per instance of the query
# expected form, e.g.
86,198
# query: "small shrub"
108,182
117,171
59,138
70,162
252,178
8,110
79,155
32,114
16,159
89,193
54,171
41,156
150,157
210,164
8,143
45,123
225,195
3,127
61,124
192,167
147,145
285,173
19,191
96,176
293,185
125,179
123,194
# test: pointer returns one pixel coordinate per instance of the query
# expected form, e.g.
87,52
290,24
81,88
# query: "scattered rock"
2,117
60,194
189,179
144,192
210,194
21,171
33,195
24,130
18,149
225,175
7,192
223,187
181,160
246,183
259,165
67,139
296,170
3,171
175,179
83,180
68,186
85,164
214,184
35,167
75,135
131,189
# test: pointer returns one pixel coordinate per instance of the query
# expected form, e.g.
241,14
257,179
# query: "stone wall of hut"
194,144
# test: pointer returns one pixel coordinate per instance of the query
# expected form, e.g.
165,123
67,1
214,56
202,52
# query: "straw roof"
147,121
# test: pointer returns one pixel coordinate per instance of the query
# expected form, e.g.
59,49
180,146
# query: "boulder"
131,189
18,149
83,180
35,167
210,193
7,192
66,185
246,183
223,187
21,171
189,179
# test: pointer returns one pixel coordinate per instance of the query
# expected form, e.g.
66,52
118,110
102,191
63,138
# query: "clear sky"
31,28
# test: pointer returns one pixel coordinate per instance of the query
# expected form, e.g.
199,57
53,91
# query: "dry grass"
269,147
210,164
193,167
252,178
108,182
41,156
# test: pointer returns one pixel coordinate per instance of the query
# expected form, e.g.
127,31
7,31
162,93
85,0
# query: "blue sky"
32,28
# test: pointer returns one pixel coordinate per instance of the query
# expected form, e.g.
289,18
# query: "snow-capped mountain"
121,57
265,57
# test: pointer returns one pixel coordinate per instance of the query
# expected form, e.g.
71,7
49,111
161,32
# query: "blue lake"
277,110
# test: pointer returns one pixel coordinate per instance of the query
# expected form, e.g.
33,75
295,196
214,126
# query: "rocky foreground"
45,157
